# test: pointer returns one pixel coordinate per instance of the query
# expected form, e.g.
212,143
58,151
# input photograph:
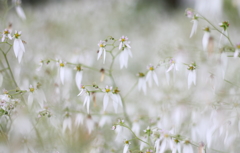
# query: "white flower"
30,96
126,146
61,70
86,99
6,34
191,75
124,43
19,9
78,77
116,99
187,147
125,47
106,97
206,37
79,119
142,84
67,123
102,50
18,46
195,25
189,13
172,65
151,75
237,50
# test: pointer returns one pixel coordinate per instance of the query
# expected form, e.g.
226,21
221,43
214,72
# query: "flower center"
31,89
61,64
151,68
107,90
101,45
16,35
123,39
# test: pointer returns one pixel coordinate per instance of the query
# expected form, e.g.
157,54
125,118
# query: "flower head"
191,74
125,53
224,25
124,42
102,50
18,46
6,34
151,75
142,82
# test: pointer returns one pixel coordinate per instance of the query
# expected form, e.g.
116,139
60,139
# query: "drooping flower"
206,37
102,50
187,147
67,123
172,65
87,97
107,96
19,9
142,84
237,50
151,75
18,46
61,70
116,99
191,74
126,146
195,25
125,51
224,33
78,77
30,96
6,34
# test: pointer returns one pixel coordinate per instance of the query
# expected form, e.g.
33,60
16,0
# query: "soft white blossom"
19,9
62,70
6,34
126,146
206,37
192,75
18,46
151,75
102,50
125,51
107,96
195,25
78,77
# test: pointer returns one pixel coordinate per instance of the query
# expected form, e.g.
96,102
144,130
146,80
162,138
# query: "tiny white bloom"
86,99
206,37
61,70
151,75
126,146
142,84
106,97
19,9
172,65
125,51
187,147
191,75
102,50
78,77
6,34
67,123
30,96
18,46
195,25
79,119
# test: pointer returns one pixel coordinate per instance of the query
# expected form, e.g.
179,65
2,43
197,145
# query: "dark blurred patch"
34,2
166,5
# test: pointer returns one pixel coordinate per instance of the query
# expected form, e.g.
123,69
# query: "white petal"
190,78
149,78
120,45
170,68
125,148
78,79
194,27
205,40
30,99
99,53
20,12
105,101
16,47
115,105
121,60
194,77
236,53
62,74
155,78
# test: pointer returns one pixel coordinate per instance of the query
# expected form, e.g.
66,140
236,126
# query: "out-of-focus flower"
206,37
195,25
87,97
6,34
142,84
30,96
151,75
126,146
102,50
78,77
67,123
125,51
187,147
172,65
61,70
116,99
191,74
107,96
225,26
19,9
201,148
189,13
18,46
237,50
